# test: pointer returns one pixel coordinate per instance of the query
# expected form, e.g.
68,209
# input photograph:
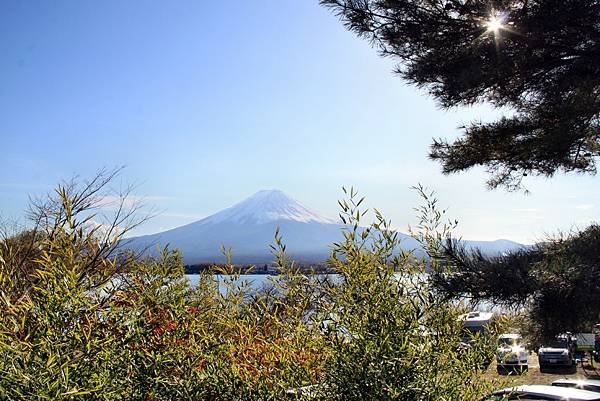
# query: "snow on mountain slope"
265,206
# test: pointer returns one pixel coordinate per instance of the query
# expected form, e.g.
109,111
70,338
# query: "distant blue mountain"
249,226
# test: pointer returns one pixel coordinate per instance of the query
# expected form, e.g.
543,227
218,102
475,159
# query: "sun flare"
494,24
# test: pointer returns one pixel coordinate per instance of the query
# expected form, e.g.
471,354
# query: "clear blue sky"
208,102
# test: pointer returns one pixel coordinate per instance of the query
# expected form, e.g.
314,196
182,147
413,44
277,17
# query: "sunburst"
495,24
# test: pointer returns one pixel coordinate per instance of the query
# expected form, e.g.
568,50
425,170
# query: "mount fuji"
249,227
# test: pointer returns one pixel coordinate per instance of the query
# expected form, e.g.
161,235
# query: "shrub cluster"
81,320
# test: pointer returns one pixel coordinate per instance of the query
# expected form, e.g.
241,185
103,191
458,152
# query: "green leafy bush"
80,319
399,339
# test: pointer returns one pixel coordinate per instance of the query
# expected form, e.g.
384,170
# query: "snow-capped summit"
266,206
248,228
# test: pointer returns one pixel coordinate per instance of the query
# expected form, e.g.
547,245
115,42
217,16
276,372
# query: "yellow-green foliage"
393,337
81,321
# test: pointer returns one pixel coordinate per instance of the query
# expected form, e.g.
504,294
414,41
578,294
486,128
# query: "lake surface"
257,281
253,281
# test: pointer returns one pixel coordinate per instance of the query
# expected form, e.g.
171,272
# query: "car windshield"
558,343
507,342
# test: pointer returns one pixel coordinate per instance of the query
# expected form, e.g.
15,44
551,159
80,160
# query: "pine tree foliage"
557,280
540,59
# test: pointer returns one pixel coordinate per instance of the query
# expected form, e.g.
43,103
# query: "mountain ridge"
248,228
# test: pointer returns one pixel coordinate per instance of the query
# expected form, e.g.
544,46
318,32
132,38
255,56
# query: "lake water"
258,281
253,281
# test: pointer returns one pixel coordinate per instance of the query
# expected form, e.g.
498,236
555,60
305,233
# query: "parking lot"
534,376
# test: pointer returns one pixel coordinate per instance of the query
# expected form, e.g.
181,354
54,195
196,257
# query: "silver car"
558,352
539,392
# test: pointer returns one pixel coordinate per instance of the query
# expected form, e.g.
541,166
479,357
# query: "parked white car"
558,352
511,352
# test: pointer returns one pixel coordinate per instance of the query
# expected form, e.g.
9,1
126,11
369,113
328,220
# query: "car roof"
577,382
561,393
